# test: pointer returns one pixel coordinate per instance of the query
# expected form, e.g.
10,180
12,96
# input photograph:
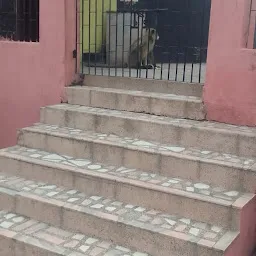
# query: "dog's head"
153,34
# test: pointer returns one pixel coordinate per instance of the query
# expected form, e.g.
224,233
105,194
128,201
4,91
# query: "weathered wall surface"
33,75
230,88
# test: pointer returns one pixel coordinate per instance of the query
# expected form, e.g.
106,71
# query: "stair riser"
136,103
174,165
146,85
126,191
105,226
23,246
208,139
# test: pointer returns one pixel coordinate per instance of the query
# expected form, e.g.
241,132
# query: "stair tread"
178,122
208,156
131,215
153,181
141,93
55,240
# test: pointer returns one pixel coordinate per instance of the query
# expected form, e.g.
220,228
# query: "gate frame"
77,53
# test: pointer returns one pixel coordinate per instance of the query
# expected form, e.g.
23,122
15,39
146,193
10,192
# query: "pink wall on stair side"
33,75
230,87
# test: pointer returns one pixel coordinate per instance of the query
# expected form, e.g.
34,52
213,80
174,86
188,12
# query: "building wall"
33,75
230,88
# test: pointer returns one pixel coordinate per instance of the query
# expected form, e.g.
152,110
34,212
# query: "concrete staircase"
126,168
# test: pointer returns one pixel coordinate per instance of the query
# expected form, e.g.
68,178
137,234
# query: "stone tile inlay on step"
118,172
151,178
152,219
65,242
162,119
151,146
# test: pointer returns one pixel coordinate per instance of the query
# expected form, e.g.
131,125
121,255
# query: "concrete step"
225,170
25,236
137,101
132,226
218,137
214,205
146,85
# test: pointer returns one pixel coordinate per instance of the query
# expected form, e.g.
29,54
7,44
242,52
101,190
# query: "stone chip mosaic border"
150,178
165,120
151,146
68,243
156,220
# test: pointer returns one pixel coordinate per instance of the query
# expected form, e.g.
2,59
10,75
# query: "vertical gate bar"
22,34
156,15
154,72
89,56
82,36
23,21
102,37
30,20
13,36
17,34
185,63
249,23
109,26
154,68
254,41
138,45
177,64
148,52
201,41
37,19
27,21
169,52
187,41
123,45
131,16
161,69
161,64
116,43
169,62
192,70
96,30
177,53
141,38
191,48
16,21
76,15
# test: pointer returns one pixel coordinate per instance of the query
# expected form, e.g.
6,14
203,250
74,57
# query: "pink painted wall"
230,88
33,75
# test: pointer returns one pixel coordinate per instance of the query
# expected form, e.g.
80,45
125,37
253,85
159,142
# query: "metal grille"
252,14
156,39
254,38
19,20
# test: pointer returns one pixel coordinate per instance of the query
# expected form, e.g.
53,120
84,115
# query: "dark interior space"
19,20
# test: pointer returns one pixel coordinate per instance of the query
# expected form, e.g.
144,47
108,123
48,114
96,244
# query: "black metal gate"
157,39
